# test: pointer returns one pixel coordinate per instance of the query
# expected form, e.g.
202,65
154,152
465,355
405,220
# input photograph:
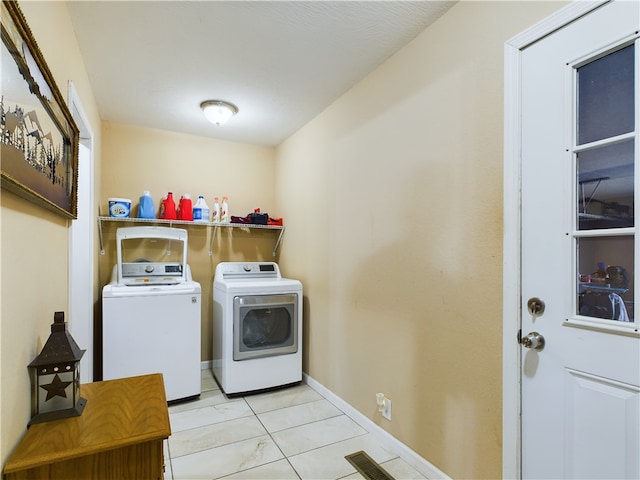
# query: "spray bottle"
224,210
215,214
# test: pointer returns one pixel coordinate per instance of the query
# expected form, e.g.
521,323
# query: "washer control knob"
247,268
149,268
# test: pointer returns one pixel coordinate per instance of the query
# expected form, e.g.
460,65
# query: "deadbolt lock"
535,306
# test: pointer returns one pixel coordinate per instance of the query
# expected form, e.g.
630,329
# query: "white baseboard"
206,365
405,453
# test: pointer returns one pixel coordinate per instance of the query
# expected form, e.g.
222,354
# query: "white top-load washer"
151,311
257,327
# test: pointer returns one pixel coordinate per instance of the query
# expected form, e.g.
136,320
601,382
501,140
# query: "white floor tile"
289,417
216,435
286,397
401,470
198,417
212,397
355,476
207,382
329,463
280,470
286,434
225,460
317,434
168,472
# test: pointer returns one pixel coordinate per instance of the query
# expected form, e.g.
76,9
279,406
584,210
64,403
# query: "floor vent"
368,467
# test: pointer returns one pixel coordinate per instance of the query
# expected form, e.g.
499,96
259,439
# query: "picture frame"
39,138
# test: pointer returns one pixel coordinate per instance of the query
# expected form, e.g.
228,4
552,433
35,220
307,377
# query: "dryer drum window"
264,326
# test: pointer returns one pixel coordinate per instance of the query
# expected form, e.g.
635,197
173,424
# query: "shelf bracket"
100,235
213,237
277,245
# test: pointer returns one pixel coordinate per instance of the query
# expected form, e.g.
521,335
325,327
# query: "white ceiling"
151,63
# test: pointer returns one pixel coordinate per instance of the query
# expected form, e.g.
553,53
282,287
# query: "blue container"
119,207
145,208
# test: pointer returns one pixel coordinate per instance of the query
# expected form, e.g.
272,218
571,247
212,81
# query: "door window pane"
606,277
605,96
606,187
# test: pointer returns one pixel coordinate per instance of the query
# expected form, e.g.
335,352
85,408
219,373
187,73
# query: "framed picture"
39,137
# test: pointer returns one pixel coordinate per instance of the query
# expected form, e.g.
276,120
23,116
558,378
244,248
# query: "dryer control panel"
239,270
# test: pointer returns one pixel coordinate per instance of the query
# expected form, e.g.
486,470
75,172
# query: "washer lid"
157,245
113,290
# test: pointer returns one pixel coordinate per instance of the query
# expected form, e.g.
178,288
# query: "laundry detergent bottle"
201,210
145,207
168,207
185,208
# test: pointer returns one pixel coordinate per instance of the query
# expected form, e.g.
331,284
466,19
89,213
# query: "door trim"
81,320
511,303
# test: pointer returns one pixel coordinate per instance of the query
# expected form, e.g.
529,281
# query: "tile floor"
291,433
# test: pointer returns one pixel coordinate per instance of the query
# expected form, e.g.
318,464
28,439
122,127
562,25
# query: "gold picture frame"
39,139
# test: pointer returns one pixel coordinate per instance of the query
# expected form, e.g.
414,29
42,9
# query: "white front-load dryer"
257,327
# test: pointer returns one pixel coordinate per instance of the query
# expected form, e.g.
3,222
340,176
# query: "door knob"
533,340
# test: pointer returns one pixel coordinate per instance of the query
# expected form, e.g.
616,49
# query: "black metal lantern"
55,376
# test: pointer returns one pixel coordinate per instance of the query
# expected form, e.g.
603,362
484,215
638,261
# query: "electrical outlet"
386,409
384,405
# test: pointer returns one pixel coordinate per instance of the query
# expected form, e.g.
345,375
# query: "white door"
580,119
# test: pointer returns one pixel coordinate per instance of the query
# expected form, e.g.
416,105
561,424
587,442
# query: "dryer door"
264,325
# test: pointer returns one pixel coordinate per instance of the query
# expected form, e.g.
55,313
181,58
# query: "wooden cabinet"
119,435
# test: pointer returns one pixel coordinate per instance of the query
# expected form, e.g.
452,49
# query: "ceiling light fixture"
218,111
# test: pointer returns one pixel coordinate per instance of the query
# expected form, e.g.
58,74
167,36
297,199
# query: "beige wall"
402,257
34,242
138,159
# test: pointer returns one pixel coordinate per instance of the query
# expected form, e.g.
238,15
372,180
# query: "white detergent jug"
201,210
